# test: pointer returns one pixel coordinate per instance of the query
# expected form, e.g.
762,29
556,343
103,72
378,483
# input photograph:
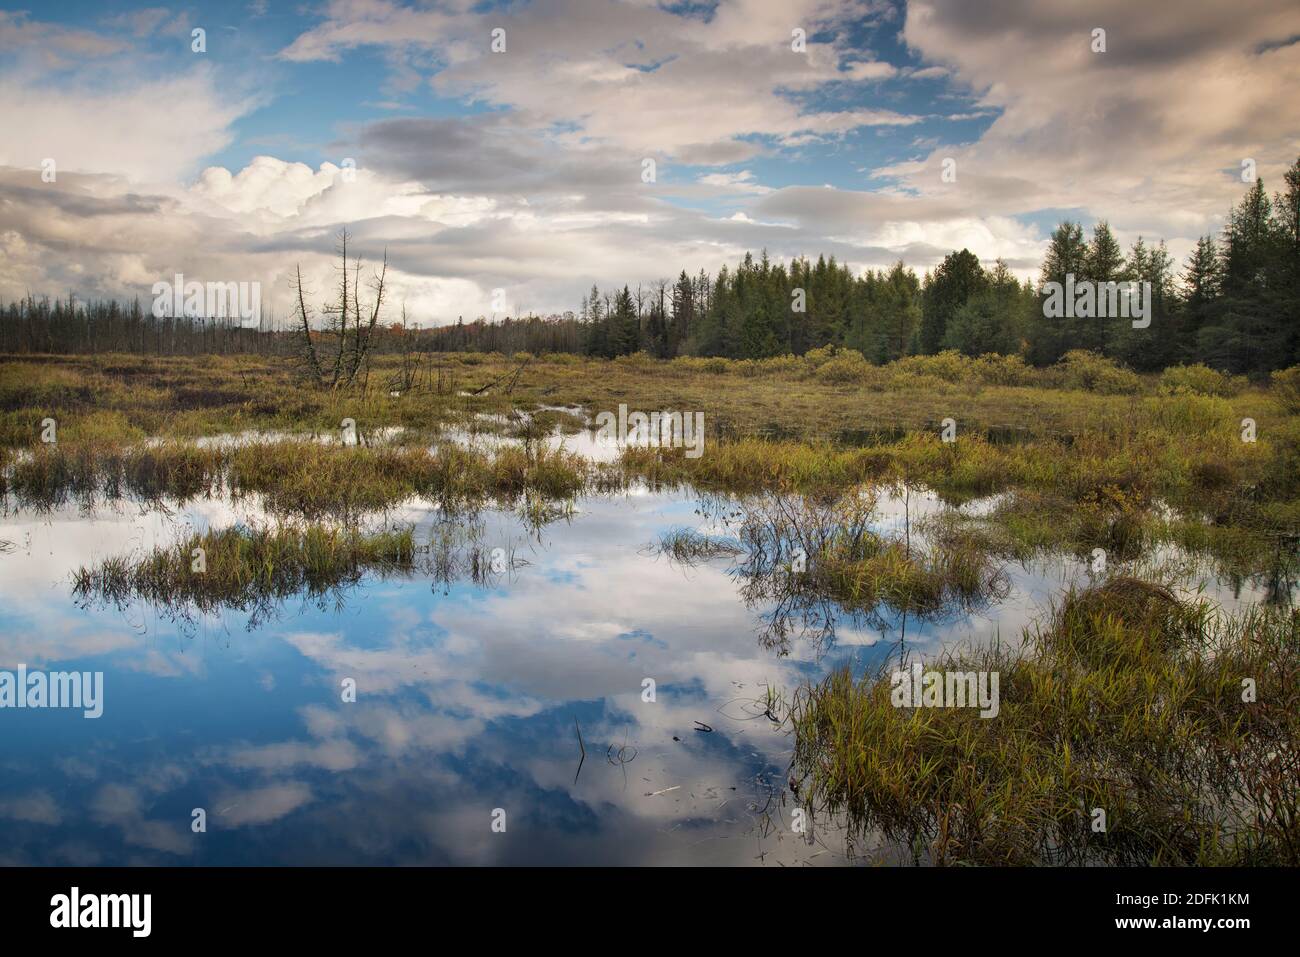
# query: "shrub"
849,366
636,360
1199,379
921,382
994,369
788,367
950,366
1286,386
817,358
1190,414
1080,369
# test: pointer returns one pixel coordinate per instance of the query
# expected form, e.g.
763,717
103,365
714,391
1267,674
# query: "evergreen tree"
1202,280
625,327
959,277
1248,331
989,320
1050,337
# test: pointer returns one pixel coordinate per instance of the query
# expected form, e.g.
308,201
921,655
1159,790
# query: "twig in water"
582,748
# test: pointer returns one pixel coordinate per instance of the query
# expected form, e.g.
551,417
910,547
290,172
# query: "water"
470,698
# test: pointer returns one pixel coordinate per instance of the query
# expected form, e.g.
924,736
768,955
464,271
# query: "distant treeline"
1235,305
72,327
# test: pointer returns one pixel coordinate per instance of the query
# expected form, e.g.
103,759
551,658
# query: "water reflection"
474,679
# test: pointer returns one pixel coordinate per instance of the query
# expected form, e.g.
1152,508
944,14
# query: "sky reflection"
470,697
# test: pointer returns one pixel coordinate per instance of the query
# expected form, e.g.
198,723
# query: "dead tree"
336,354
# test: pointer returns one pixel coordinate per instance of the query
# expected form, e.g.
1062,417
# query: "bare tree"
340,351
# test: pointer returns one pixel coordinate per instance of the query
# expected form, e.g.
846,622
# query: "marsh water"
523,691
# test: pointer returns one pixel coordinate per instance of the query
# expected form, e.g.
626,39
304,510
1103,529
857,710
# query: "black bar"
336,905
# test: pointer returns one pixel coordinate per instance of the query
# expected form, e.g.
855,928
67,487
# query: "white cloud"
542,195
150,131
1143,133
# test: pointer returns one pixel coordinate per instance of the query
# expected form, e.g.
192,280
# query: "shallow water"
470,698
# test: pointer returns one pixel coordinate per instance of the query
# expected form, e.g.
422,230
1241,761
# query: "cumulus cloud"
534,187
636,77
153,131
1149,133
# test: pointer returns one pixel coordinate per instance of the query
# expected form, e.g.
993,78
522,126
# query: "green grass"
802,552
296,477
1127,700
247,568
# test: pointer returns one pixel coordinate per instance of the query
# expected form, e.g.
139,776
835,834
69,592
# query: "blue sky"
521,170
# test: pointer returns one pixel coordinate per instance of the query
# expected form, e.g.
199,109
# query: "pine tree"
626,325
1049,337
989,320
1201,285
1287,282
959,277
1249,332
1103,263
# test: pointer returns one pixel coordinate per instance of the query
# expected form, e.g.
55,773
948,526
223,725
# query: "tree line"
69,327
1234,305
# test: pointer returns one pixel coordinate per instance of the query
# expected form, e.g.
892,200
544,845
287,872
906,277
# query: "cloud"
870,70
149,131
49,40
35,808
634,77
122,806
533,183
330,755
1142,133
255,806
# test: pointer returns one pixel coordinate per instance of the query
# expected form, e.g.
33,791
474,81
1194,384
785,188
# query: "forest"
1233,305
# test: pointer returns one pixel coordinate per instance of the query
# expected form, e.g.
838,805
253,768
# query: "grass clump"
247,567
1286,386
299,477
1090,372
1127,700
688,546
804,552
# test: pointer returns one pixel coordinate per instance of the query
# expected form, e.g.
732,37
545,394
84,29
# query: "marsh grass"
1127,700
1071,431
1250,539
926,580
812,562
687,546
298,477
193,396
249,568
1200,468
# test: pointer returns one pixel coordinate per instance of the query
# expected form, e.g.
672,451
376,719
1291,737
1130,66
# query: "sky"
506,156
